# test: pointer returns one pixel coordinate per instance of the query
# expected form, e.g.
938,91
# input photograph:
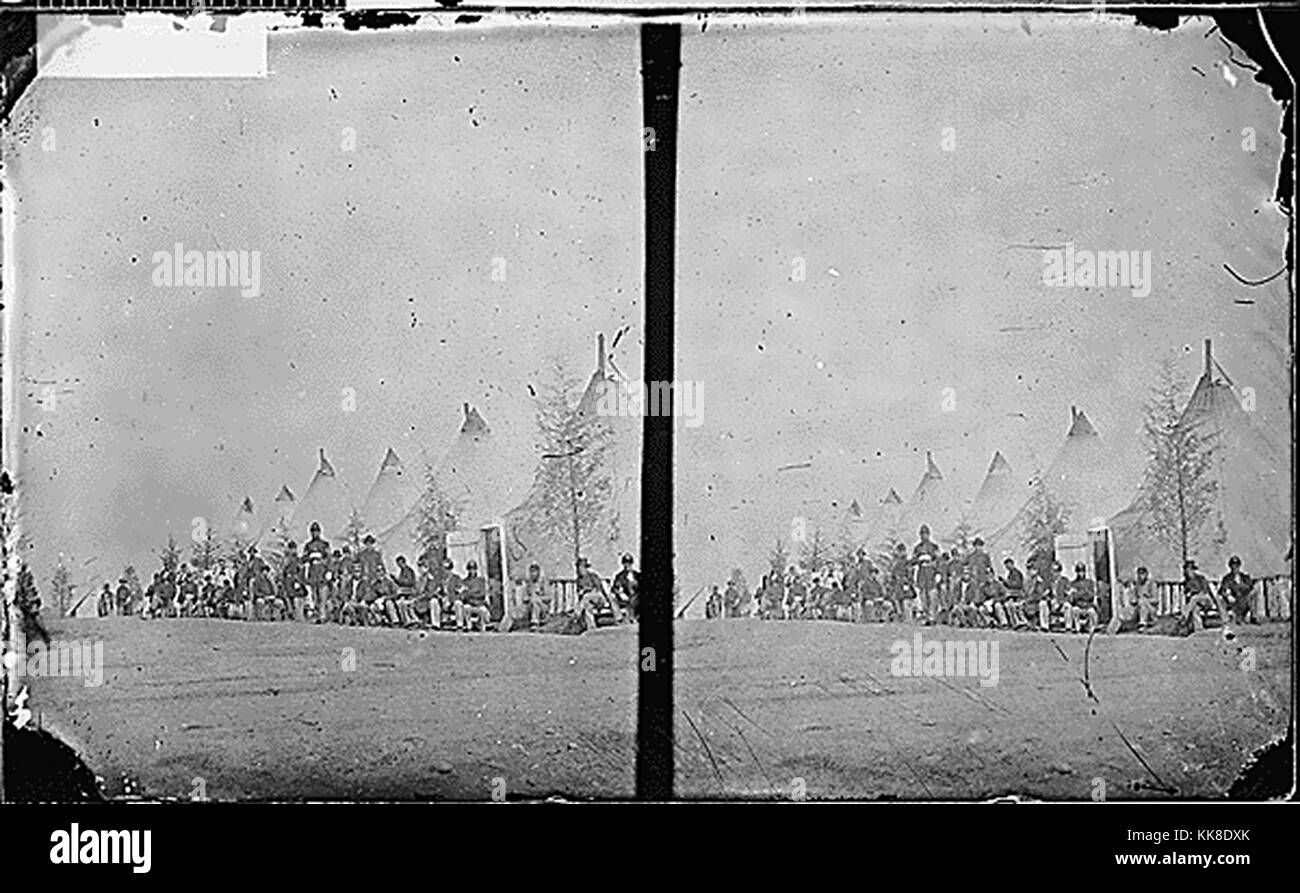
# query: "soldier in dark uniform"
1200,608
473,603
591,594
293,588
450,587
104,606
1236,589
404,582
925,559
316,557
1083,600
901,591
626,588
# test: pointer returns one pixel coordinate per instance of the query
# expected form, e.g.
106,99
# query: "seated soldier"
473,603
404,593
449,592
533,604
591,595
1082,601
1237,591
1013,583
1200,608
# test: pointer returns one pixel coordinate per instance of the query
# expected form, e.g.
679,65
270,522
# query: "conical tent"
885,525
326,502
478,476
934,503
1251,517
244,527
279,518
392,495
856,525
1000,496
1082,478
528,539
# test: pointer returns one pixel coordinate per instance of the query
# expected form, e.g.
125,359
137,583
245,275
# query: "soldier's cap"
292,545
582,562
1143,570
315,526
368,540
447,563
978,541
471,563
1189,564
1081,566
1234,561
401,559
627,558
534,566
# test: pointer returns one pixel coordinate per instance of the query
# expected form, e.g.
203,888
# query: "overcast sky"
818,142
376,268
826,144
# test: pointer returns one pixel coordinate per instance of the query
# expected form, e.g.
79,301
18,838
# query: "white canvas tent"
391,496
1082,478
1000,496
1252,510
279,518
934,503
244,526
326,501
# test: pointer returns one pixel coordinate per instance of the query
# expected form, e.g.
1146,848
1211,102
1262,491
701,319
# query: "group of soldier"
960,587
323,585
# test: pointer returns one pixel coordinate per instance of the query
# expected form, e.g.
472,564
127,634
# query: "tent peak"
1079,425
473,423
325,467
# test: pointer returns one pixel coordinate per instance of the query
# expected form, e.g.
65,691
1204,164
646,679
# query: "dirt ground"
813,707
287,711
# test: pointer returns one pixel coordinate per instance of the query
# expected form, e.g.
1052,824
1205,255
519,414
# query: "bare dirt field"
280,711
287,711
789,706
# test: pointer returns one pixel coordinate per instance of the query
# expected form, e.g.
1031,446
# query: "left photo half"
317,345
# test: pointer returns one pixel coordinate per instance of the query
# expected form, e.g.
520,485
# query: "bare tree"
170,556
779,558
1046,518
816,551
206,552
1178,489
62,587
574,493
435,516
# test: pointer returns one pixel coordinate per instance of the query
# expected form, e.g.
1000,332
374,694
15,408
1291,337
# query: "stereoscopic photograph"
326,408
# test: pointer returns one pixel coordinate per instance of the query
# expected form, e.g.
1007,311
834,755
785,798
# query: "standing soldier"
105,602
901,592
626,588
925,558
293,588
316,556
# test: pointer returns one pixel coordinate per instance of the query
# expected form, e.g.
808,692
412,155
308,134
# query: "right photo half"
984,484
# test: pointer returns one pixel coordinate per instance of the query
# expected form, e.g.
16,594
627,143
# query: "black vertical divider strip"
660,68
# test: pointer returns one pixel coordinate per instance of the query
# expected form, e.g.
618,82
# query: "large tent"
478,475
244,526
391,496
885,524
528,537
1251,516
1082,478
1000,496
326,501
279,518
934,503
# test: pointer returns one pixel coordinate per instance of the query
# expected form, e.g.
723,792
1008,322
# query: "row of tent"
479,476
1251,516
